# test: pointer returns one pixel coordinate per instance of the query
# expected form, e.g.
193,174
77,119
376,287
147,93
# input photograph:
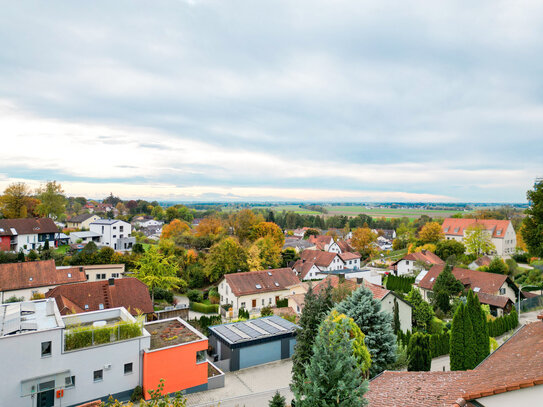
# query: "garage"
243,344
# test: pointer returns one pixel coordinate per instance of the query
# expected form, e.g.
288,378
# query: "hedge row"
502,324
204,308
439,343
400,283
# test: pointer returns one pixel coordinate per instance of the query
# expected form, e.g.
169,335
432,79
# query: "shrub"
13,298
204,308
137,394
195,296
162,294
282,303
435,326
266,311
399,283
243,313
521,257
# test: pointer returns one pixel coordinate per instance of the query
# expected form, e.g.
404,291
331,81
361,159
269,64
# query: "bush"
14,299
266,311
435,326
502,324
204,308
137,394
162,294
521,257
282,303
195,296
399,283
243,313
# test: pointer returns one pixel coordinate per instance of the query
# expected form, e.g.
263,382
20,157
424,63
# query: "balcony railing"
86,336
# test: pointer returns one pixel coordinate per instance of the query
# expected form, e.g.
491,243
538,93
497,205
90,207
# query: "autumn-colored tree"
362,241
521,244
428,246
53,201
209,226
253,258
269,229
270,252
226,256
175,228
121,208
477,240
15,200
243,223
431,233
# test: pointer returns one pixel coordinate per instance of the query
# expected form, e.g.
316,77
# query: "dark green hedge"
204,308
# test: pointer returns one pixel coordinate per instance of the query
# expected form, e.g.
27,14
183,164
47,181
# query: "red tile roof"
425,256
335,282
349,256
126,292
321,241
483,261
321,259
499,301
456,227
27,226
345,246
488,283
494,375
303,267
245,283
379,292
34,274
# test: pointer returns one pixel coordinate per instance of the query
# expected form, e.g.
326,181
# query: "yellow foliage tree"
174,228
253,258
428,246
15,201
362,241
209,226
269,229
431,233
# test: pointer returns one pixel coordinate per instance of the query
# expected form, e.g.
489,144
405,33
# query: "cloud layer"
319,100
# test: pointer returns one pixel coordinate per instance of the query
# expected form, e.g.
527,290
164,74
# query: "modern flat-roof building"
55,360
249,343
114,233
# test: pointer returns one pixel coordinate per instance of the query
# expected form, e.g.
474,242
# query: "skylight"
432,279
258,286
456,230
276,284
1,229
447,229
269,273
69,275
499,232
477,289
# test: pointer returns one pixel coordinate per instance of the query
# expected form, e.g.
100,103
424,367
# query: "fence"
530,303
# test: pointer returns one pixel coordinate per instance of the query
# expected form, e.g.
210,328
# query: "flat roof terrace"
171,332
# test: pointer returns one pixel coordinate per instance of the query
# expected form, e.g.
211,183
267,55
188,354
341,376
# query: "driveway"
251,387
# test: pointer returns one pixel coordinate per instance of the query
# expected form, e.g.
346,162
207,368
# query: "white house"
45,366
388,299
413,263
256,289
325,243
84,237
114,233
27,234
501,232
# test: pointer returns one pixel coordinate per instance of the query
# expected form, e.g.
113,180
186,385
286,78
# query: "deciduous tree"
226,256
15,200
362,241
477,240
271,230
52,200
209,226
532,229
175,228
431,233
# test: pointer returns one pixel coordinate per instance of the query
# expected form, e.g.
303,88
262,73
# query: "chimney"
50,307
111,281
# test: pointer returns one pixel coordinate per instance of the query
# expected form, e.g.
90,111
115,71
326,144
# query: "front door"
276,299
46,395
254,303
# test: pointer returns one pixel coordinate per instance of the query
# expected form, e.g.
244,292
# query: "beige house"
255,289
97,272
82,221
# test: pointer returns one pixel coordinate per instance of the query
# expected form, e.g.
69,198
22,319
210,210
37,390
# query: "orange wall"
176,365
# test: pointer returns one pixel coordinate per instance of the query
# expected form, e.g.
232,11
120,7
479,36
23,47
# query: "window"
103,276
114,236
243,305
98,375
269,302
121,228
100,306
200,356
69,382
128,368
502,291
263,302
45,349
114,227
115,275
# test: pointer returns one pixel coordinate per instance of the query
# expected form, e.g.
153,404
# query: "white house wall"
404,311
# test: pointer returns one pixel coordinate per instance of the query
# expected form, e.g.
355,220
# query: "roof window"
269,273
456,229
447,229
69,275
432,279
100,306
276,284
30,278
499,232
1,230
86,306
258,286
477,289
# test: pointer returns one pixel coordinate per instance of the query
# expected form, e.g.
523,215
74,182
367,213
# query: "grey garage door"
259,354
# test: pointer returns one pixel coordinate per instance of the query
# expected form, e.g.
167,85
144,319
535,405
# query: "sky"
274,100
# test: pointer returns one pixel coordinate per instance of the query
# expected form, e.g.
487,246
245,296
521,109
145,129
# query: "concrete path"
250,387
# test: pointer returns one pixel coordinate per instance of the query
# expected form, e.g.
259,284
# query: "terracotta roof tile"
34,274
27,226
335,282
425,256
245,283
321,241
321,259
457,226
349,256
303,267
488,283
379,292
126,292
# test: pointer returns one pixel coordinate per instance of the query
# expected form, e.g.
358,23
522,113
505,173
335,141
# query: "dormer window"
456,230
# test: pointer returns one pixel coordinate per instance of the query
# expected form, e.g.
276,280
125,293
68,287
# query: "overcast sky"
281,100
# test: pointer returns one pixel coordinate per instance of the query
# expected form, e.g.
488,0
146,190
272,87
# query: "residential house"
115,233
97,272
52,364
345,246
28,279
388,299
27,234
414,263
351,260
313,262
82,221
501,232
152,232
244,344
256,289
480,262
512,375
325,243
300,232
129,293
84,237
496,290
144,222
299,245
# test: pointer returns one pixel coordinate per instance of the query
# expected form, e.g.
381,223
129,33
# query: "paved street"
252,387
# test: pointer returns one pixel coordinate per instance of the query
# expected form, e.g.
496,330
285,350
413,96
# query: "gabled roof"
483,261
303,267
34,274
27,226
495,375
457,226
425,256
379,292
81,218
349,256
345,246
488,283
125,292
335,282
268,281
321,241
321,259
499,301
